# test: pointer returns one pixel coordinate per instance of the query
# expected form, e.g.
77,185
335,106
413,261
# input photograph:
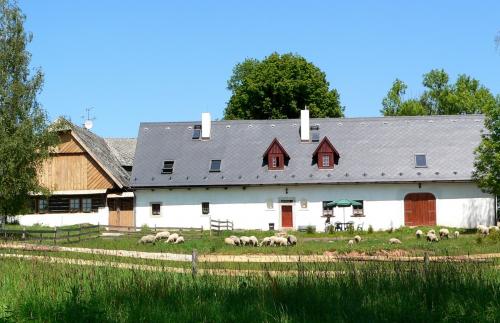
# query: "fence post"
80,232
55,235
68,235
24,233
194,261
426,260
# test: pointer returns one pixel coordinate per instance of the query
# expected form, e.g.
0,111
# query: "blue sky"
139,61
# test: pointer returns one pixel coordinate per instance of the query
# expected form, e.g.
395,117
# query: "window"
205,207
197,131
270,204
168,167
315,136
327,210
303,203
276,161
357,210
326,160
215,165
275,156
43,206
74,204
86,205
156,209
420,160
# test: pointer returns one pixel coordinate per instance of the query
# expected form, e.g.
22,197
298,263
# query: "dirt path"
327,257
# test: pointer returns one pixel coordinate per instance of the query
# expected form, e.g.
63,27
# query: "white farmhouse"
403,170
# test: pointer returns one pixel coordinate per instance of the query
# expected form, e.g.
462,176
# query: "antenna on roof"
88,121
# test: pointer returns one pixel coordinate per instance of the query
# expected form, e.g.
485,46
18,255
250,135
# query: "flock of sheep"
162,235
277,240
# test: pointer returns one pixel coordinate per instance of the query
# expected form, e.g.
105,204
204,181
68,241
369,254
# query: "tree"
25,137
466,95
487,163
278,87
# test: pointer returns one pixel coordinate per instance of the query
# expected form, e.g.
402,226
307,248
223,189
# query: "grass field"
33,291
469,242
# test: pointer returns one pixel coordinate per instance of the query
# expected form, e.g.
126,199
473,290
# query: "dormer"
275,156
326,156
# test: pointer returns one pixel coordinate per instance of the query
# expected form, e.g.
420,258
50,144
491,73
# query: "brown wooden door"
420,209
286,216
121,212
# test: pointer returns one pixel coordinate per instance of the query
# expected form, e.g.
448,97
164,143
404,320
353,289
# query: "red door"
420,209
286,216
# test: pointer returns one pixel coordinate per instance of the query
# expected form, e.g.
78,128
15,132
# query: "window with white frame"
326,160
327,210
357,210
155,209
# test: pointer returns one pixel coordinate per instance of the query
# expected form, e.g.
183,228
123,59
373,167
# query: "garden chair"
360,226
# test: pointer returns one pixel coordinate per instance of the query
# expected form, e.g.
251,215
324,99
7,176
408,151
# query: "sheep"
172,238
357,239
179,240
495,228
253,241
265,241
483,229
281,234
350,242
162,235
229,241
432,238
444,233
147,239
431,231
244,240
280,241
456,234
292,240
419,234
237,240
394,241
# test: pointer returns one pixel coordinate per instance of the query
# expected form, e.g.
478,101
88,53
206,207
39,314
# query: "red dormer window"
275,156
326,156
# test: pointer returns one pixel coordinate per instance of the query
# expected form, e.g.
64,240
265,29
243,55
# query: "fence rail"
56,234
218,226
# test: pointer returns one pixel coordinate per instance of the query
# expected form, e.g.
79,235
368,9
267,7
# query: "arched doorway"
420,209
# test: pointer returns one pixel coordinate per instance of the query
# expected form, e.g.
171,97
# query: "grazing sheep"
237,240
265,241
456,234
253,241
494,228
179,240
292,240
357,239
419,234
244,240
394,241
162,235
147,239
280,241
229,241
431,231
172,238
483,229
350,242
444,233
432,237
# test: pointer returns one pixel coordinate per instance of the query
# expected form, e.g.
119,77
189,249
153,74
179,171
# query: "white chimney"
206,124
304,125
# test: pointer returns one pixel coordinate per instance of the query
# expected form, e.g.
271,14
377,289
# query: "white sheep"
265,241
147,239
253,241
419,234
229,241
179,240
244,240
494,228
350,242
431,231
483,229
162,235
237,240
357,239
292,240
456,234
444,233
172,238
432,237
280,241
394,241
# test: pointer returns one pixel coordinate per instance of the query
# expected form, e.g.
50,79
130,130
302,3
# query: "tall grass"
375,292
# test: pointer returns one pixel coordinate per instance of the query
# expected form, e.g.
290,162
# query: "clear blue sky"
139,61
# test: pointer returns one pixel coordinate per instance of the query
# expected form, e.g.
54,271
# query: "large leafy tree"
487,163
278,87
25,137
466,95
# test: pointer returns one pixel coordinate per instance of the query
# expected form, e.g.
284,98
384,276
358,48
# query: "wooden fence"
218,226
55,235
136,231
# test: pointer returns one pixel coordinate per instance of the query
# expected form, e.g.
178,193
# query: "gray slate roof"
377,149
123,149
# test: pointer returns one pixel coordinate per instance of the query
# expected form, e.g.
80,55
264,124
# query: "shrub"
370,229
493,237
310,229
145,229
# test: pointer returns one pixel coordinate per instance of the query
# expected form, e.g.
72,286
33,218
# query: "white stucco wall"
60,219
457,204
